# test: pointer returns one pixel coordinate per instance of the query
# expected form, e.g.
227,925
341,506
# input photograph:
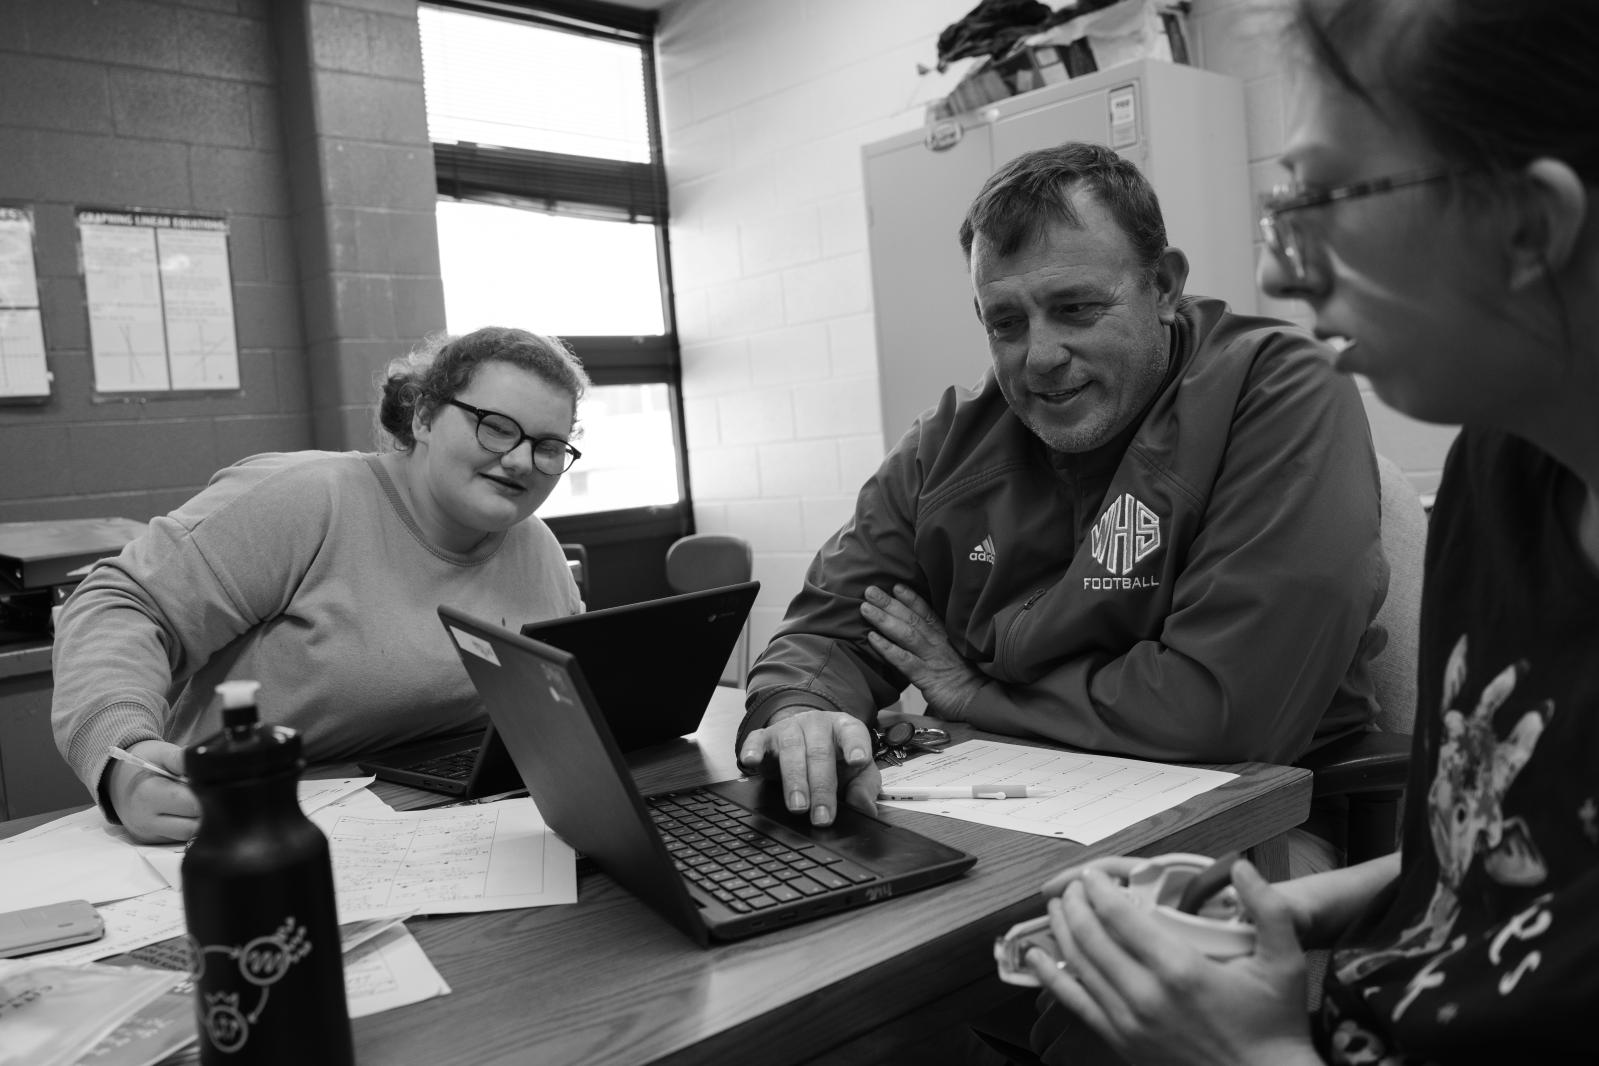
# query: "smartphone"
55,925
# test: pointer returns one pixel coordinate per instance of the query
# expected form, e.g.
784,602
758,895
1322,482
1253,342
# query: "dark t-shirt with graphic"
1486,949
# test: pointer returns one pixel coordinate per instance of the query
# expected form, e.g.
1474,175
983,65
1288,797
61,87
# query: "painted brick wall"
302,122
766,106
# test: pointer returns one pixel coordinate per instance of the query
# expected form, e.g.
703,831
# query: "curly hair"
443,365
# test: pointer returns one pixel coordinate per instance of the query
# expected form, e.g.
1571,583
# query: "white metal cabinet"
1183,126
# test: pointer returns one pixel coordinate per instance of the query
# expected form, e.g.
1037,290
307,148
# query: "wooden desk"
608,981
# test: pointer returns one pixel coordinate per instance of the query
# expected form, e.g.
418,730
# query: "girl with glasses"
319,575
1442,223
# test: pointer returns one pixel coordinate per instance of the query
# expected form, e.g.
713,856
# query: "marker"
949,792
145,764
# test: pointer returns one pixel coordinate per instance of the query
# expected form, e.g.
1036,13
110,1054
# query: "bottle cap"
244,748
238,703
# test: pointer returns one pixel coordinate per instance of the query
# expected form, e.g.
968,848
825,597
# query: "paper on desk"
317,794
345,793
389,971
1092,796
83,856
448,860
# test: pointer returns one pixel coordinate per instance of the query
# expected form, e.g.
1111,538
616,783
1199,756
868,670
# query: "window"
584,276
552,216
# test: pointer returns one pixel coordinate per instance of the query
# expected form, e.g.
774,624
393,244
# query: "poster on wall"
23,370
160,300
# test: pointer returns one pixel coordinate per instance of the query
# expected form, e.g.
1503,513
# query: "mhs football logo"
1124,535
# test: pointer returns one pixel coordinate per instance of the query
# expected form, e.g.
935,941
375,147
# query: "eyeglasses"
501,434
1290,243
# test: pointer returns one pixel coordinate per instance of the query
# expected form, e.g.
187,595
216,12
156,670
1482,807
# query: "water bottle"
258,899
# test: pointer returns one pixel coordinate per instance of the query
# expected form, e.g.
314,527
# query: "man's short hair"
1022,198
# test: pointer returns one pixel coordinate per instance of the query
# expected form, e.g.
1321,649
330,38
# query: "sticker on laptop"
556,681
476,645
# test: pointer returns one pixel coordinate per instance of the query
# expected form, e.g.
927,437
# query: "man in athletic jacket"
1150,530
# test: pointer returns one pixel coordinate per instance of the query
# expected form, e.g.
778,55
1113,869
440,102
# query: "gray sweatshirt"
303,571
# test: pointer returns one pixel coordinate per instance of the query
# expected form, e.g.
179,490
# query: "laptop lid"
541,705
652,666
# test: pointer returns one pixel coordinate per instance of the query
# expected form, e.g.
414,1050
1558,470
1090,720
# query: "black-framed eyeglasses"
502,434
1291,243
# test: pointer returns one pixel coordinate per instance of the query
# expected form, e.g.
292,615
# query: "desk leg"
1270,857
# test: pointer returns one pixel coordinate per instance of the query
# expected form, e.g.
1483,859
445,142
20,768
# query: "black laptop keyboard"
456,766
716,844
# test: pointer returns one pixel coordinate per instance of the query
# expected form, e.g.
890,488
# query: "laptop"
719,862
655,665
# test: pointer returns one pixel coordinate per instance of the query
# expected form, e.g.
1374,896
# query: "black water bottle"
258,898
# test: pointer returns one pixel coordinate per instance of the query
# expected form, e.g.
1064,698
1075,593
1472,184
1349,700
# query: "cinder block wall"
302,121
767,104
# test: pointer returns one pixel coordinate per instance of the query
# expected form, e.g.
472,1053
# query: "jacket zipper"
1000,652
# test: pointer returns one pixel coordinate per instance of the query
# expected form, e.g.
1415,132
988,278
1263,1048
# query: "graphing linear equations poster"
22,362
160,299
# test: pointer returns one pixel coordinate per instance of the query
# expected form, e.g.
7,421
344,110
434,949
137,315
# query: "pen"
981,792
146,764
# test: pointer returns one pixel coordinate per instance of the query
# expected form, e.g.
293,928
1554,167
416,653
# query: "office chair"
1370,768
711,560
577,557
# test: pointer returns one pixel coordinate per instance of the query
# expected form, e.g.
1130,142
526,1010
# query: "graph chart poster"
160,299
23,370
197,296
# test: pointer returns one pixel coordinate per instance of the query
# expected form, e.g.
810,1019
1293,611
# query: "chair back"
711,560
1404,542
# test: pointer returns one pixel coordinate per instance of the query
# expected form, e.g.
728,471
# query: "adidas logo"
984,552
1124,535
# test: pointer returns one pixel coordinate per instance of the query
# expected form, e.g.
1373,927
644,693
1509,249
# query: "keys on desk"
900,741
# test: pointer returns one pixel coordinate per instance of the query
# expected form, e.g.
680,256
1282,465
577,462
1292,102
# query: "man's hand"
909,635
152,808
816,751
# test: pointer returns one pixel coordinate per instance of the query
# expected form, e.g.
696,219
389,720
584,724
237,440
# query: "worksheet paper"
448,860
1091,796
83,856
346,793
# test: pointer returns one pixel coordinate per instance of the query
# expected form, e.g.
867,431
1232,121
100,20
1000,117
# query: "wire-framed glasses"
502,434
1290,241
